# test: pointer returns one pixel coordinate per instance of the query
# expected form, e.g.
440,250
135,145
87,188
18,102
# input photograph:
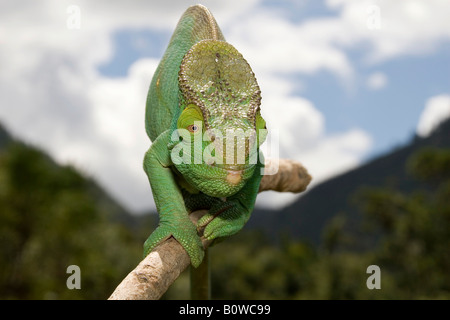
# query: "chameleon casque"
202,89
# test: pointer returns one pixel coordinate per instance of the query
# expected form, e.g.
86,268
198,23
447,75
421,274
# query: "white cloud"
301,133
405,27
337,153
376,81
273,44
437,110
301,129
116,155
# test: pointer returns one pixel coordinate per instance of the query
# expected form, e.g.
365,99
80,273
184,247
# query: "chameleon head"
220,121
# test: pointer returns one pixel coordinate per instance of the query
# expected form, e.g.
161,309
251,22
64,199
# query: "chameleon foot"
185,234
223,221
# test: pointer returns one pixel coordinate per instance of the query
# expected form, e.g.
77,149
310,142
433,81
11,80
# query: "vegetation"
51,217
406,235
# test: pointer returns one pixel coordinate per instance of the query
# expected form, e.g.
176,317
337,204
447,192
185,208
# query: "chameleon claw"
188,238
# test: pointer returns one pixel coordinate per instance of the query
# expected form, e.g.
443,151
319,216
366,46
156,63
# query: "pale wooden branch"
156,272
284,175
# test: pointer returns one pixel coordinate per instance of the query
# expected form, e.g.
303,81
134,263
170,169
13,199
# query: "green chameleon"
202,93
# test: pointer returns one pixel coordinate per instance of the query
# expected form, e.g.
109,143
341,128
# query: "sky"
342,81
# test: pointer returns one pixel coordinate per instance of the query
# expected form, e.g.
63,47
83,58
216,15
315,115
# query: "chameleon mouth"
234,173
234,177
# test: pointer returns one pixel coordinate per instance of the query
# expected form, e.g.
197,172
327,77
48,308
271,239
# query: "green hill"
51,217
5,138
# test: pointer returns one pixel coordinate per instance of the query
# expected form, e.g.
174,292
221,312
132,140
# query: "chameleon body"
202,90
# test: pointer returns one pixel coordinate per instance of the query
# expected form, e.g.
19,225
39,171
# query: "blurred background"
358,91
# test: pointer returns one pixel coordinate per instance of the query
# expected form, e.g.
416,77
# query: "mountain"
115,211
5,138
306,218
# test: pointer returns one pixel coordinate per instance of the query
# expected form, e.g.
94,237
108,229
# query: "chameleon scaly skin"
202,97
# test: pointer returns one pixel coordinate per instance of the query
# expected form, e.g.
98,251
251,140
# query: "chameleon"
202,93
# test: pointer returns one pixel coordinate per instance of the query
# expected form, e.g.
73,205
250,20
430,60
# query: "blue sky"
389,114
342,80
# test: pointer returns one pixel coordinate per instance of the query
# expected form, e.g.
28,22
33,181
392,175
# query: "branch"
159,269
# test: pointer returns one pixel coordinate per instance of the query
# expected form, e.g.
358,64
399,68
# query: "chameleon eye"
191,119
193,128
